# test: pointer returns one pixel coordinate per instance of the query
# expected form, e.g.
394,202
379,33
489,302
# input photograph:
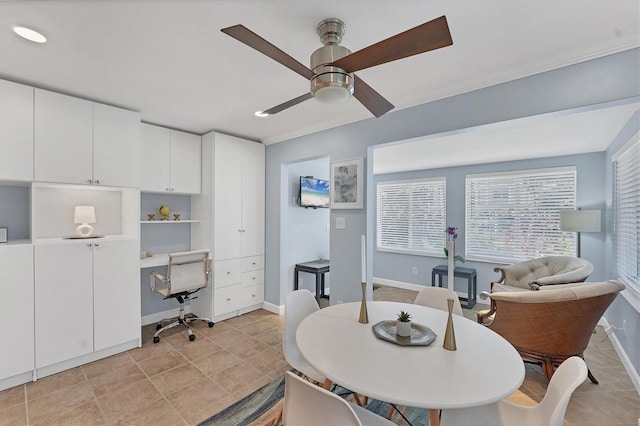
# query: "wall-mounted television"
314,192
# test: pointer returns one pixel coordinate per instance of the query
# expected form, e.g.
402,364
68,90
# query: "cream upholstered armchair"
542,273
549,326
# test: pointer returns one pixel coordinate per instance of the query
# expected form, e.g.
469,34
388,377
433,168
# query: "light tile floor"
177,382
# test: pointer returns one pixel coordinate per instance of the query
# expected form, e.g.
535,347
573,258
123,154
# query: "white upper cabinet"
171,161
116,146
16,131
78,141
238,198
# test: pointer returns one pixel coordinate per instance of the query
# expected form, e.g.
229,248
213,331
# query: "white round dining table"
484,369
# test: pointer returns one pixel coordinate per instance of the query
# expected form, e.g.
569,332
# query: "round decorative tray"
420,335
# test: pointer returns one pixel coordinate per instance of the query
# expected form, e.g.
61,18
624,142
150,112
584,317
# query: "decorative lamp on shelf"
84,215
580,221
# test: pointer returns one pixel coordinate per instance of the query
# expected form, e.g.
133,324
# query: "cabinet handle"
253,295
253,263
253,278
97,182
88,244
228,299
89,181
96,244
228,273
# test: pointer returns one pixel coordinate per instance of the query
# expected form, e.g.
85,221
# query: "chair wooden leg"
357,398
591,377
434,417
327,384
276,421
390,412
547,368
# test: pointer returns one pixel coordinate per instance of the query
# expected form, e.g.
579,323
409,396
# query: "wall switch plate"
341,223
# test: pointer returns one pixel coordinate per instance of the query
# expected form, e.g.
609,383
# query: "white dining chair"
436,297
550,411
306,404
298,305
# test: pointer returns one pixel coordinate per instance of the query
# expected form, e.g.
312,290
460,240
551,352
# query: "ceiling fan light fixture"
332,94
29,34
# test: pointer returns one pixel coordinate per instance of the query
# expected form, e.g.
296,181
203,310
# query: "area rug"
261,407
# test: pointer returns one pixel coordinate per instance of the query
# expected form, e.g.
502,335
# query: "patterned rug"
261,407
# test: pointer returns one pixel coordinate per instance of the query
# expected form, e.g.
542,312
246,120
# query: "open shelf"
170,221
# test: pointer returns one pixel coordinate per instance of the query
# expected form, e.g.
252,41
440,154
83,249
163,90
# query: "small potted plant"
403,324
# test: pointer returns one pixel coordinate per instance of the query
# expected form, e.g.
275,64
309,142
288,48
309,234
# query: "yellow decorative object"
164,212
449,334
364,315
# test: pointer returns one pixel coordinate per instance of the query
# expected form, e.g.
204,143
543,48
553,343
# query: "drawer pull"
228,273
228,299
253,278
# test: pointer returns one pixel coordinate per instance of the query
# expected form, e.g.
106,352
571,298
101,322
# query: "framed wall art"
347,184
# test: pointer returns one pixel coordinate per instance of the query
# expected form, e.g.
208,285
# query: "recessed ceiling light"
260,114
29,34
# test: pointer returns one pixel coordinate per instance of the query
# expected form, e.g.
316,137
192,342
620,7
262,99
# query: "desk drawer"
226,273
226,300
252,278
252,263
252,295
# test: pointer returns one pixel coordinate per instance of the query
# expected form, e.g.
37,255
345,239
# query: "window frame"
438,246
569,240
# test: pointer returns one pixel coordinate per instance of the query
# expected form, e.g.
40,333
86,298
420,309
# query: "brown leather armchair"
547,327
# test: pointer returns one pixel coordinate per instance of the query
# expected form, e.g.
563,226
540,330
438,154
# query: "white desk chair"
307,404
187,273
550,411
436,297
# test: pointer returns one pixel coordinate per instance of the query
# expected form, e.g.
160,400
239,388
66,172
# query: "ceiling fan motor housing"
330,84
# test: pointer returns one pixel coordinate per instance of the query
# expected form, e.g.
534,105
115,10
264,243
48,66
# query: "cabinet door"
228,198
16,305
63,302
63,138
253,199
16,131
185,162
155,143
116,295
252,295
116,146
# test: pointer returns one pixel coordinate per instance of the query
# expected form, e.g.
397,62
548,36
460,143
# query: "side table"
468,273
317,267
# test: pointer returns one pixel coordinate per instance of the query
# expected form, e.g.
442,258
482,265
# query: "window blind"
411,216
627,215
515,216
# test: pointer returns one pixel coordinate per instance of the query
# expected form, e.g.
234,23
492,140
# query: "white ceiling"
547,135
169,60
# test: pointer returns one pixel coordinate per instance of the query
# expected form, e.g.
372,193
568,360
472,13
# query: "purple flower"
451,230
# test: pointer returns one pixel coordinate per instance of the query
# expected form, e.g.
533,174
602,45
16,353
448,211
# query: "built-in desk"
317,267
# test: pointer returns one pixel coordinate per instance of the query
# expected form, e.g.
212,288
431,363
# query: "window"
411,216
515,216
626,207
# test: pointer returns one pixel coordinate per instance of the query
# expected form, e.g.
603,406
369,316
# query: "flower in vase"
452,234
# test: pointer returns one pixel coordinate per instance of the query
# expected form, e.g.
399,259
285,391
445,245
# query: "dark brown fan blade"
251,39
372,100
423,38
288,104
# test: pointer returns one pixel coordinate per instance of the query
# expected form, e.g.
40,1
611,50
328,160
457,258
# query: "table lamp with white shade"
580,221
84,215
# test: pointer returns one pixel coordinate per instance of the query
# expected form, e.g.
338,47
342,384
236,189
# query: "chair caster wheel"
210,324
192,337
158,327
156,339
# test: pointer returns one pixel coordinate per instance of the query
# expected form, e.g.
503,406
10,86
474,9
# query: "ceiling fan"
333,66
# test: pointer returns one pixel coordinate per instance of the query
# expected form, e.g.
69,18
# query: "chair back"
436,297
565,380
546,270
298,305
308,404
188,270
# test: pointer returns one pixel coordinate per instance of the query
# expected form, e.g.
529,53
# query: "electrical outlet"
414,271
341,223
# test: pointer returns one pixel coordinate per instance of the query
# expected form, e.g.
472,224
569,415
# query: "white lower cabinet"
252,295
87,298
227,299
16,305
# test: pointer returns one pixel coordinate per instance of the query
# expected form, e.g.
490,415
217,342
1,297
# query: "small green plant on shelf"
404,316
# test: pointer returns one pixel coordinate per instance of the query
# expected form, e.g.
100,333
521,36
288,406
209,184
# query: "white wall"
306,233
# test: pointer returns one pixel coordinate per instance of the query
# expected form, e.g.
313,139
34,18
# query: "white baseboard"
273,308
626,362
418,287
